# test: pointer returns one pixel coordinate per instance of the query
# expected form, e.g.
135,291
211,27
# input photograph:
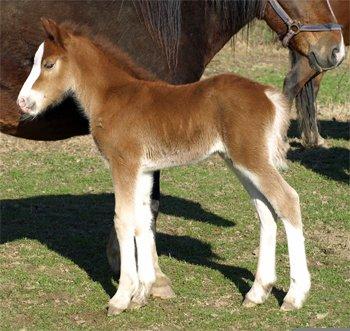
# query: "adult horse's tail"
278,144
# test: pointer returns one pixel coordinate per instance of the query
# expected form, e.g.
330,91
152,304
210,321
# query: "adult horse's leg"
162,286
300,74
305,103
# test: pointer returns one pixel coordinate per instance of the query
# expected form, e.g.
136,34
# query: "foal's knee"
123,224
290,211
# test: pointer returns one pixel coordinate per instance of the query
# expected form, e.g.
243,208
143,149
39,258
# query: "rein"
294,27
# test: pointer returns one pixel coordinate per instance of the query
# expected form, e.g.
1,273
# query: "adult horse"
177,53
197,38
302,73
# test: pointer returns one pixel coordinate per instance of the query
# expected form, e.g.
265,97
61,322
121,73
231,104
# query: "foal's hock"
141,125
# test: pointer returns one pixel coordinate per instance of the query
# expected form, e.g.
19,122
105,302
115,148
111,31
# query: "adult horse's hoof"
248,303
314,142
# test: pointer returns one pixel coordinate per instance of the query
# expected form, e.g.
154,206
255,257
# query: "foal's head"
51,76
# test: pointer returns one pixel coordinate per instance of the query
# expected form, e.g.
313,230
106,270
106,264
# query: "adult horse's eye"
49,65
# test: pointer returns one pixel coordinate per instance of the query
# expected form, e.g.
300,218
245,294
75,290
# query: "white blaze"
34,74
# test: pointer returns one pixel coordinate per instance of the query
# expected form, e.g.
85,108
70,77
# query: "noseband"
294,27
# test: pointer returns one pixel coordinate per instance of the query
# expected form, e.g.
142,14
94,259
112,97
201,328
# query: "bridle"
294,27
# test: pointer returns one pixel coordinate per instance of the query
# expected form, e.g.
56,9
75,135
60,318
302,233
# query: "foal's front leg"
124,179
144,237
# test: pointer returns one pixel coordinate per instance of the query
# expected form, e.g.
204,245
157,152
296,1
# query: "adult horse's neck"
215,22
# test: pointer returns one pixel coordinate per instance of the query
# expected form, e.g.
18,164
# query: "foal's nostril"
21,102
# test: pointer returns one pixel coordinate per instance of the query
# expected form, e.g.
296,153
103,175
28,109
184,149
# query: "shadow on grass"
328,129
196,252
188,209
77,227
333,163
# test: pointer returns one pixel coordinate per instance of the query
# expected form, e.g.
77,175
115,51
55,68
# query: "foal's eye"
49,65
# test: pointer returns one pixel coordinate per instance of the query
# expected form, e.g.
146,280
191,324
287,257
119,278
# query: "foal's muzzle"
26,105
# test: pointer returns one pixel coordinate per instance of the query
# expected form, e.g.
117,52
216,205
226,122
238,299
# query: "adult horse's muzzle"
321,61
318,58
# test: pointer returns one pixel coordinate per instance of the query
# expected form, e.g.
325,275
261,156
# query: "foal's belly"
180,156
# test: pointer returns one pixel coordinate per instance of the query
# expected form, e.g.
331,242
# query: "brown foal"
141,125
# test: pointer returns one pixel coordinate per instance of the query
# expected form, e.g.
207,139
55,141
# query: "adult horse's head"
50,79
310,28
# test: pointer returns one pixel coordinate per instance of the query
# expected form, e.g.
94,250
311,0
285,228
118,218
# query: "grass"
57,210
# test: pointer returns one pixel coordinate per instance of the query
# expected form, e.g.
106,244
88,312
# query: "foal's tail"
278,144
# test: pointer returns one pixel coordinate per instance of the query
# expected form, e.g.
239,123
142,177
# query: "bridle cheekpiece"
294,27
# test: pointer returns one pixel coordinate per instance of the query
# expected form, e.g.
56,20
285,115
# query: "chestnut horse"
144,30
141,126
304,81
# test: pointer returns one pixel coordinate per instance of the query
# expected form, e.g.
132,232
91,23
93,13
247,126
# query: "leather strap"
295,27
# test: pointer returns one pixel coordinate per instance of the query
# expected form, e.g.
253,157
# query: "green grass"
57,210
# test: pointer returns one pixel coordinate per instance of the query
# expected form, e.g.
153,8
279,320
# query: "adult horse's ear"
53,31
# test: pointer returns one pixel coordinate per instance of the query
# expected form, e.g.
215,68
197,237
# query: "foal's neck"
96,74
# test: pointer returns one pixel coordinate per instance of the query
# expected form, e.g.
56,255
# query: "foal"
141,126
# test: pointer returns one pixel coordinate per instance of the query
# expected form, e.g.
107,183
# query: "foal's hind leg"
285,202
265,275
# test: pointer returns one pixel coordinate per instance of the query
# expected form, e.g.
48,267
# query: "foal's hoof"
139,299
248,303
288,306
162,288
137,304
162,292
113,310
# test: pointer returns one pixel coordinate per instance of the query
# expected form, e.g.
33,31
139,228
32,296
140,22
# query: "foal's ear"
53,31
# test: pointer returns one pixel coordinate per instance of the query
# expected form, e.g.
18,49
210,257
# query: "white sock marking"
299,274
266,270
144,235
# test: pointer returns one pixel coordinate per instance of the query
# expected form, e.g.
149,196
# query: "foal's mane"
124,61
